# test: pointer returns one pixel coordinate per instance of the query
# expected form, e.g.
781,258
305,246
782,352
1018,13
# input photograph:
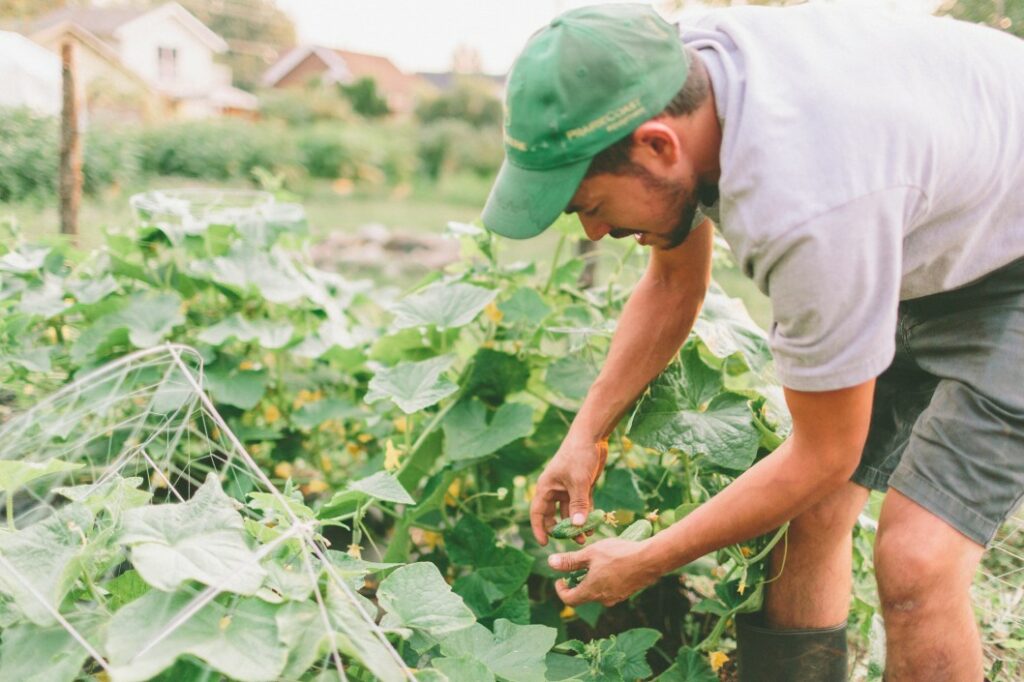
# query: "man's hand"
616,569
566,485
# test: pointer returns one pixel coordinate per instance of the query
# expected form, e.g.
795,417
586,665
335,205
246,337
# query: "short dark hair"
615,160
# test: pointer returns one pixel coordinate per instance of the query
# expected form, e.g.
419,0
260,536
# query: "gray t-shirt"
865,159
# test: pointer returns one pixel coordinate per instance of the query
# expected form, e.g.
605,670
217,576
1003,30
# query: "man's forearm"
654,324
774,491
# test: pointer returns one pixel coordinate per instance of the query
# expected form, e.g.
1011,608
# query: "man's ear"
657,143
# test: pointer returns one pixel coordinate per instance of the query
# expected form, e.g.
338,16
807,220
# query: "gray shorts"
947,425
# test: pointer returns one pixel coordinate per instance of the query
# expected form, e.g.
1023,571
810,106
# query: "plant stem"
10,510
554,263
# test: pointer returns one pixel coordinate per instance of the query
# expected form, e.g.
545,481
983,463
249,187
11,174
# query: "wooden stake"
70,146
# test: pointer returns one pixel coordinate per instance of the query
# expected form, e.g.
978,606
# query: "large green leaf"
690,666
635,644
684,409
468,435
202,539
514,652
240,641
46,300
16,474
246,268
357,638
114,495
380,486
619,491
571,376
413,386
444,306
45,558
30,653
463,668
143,319
726,328
496,375
418,597
232,386
525,306
497,572
268,333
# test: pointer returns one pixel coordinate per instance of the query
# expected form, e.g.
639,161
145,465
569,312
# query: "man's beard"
682,205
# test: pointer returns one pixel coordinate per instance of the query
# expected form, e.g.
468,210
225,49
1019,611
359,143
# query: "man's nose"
595,229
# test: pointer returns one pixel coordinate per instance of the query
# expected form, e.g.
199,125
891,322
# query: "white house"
166,47
31,75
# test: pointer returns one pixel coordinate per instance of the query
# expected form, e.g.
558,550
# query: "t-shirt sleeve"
834,285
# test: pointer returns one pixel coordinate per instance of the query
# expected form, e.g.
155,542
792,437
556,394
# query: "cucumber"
565,530
637,531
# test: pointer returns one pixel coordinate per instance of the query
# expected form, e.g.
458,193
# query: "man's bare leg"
924,569
814,564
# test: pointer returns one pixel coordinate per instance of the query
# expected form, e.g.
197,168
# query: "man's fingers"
570,596
541,512
579,505
569,561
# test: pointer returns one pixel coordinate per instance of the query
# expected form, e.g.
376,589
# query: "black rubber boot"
767,655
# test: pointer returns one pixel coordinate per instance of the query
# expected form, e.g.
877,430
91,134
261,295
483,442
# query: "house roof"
100,21
92,42
343,66
105,22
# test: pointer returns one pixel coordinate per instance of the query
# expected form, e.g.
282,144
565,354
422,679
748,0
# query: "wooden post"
70,146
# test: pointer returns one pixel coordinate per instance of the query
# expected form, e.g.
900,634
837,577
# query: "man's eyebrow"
571,208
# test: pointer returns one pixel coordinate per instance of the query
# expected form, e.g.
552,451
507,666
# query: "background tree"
1007,15
365,99
470,101
29,9
256,31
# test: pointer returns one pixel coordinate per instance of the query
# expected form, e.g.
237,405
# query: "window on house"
167,61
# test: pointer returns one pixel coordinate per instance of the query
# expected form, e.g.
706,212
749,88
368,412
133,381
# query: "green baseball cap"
582,83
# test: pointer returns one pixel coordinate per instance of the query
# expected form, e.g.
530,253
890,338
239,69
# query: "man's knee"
920,563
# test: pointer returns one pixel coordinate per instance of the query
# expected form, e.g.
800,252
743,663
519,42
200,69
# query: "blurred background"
381,117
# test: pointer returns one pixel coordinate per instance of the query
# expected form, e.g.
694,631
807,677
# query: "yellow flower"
717,659
610,519
492,312
531,490
271,413
355,551
426,539
567,613
451,497
401,424
653,516
315,486
246,365
742,587
364,438
325,462
391,456
283,470
746,552
51,334
627,444
353,449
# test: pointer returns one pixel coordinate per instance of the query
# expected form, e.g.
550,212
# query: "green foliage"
1006,15
450,145
470,101
302,107
365,99
413,430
